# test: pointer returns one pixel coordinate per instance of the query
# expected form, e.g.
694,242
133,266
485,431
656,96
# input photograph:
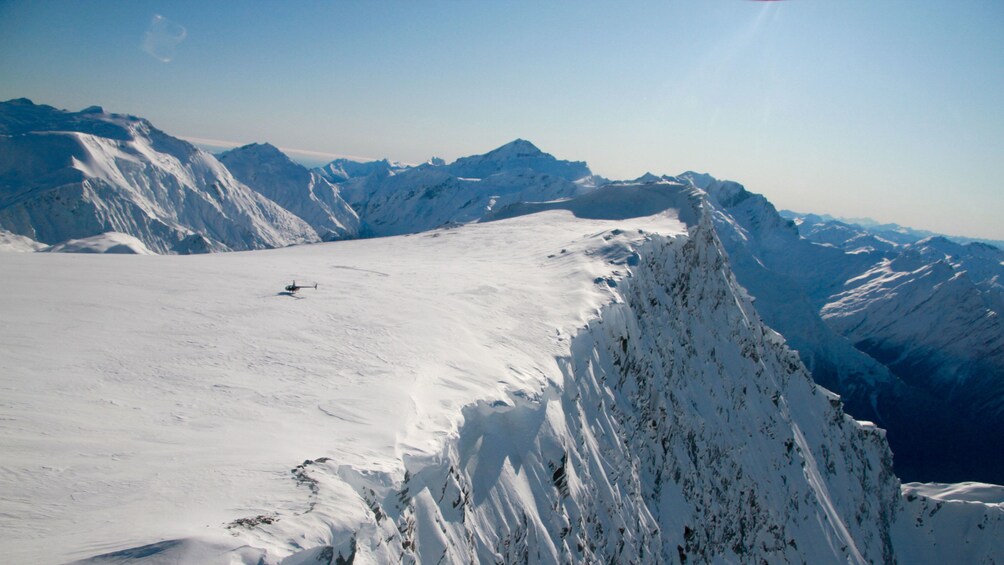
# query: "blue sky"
888,109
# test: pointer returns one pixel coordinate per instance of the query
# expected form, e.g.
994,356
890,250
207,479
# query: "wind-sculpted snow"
146,398
67,175
21,116
680,430
956,523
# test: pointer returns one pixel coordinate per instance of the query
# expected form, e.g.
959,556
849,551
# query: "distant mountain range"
810,224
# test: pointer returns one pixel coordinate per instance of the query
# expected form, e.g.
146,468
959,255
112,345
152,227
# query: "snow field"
160,397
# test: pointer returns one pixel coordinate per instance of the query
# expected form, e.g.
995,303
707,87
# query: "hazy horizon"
886,110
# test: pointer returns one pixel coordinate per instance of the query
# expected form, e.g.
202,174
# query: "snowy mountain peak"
264,147
648,178
726,192
254,160
700,180
261,151
515,149
973,251
21,115
901,235
939,242
517,156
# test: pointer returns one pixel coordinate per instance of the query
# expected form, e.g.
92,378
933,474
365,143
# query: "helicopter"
292,288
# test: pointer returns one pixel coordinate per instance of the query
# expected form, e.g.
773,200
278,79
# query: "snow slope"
962,523
70,175
542,388
305,193
187,387
932,314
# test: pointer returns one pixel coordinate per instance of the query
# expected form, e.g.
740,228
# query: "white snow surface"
150,398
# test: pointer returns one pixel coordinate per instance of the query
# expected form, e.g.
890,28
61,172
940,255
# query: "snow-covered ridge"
643,451
543,388
202,360
960,492
70,175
